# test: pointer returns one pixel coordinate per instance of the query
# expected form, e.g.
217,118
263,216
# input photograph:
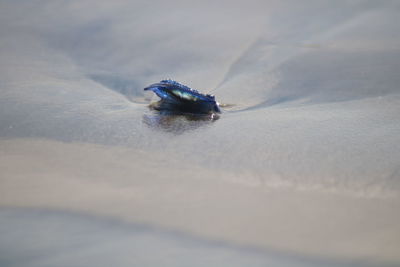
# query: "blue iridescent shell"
180,98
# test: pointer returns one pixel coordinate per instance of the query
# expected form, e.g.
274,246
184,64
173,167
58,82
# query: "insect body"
178,98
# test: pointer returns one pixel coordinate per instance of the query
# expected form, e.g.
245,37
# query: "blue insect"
177,98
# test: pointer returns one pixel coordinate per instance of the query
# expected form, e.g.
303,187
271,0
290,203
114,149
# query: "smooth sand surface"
301,169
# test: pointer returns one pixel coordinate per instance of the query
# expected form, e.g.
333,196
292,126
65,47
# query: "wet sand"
302,167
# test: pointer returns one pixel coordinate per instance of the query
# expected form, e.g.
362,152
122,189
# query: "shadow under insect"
177,123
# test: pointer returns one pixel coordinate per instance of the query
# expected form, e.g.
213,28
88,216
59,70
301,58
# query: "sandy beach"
301,169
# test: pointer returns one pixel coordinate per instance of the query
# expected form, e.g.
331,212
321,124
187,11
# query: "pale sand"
304,159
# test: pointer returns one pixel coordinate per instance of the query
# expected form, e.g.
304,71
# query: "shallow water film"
301,168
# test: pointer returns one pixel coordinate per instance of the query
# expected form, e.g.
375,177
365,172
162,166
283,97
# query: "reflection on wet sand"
170,120
178,124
